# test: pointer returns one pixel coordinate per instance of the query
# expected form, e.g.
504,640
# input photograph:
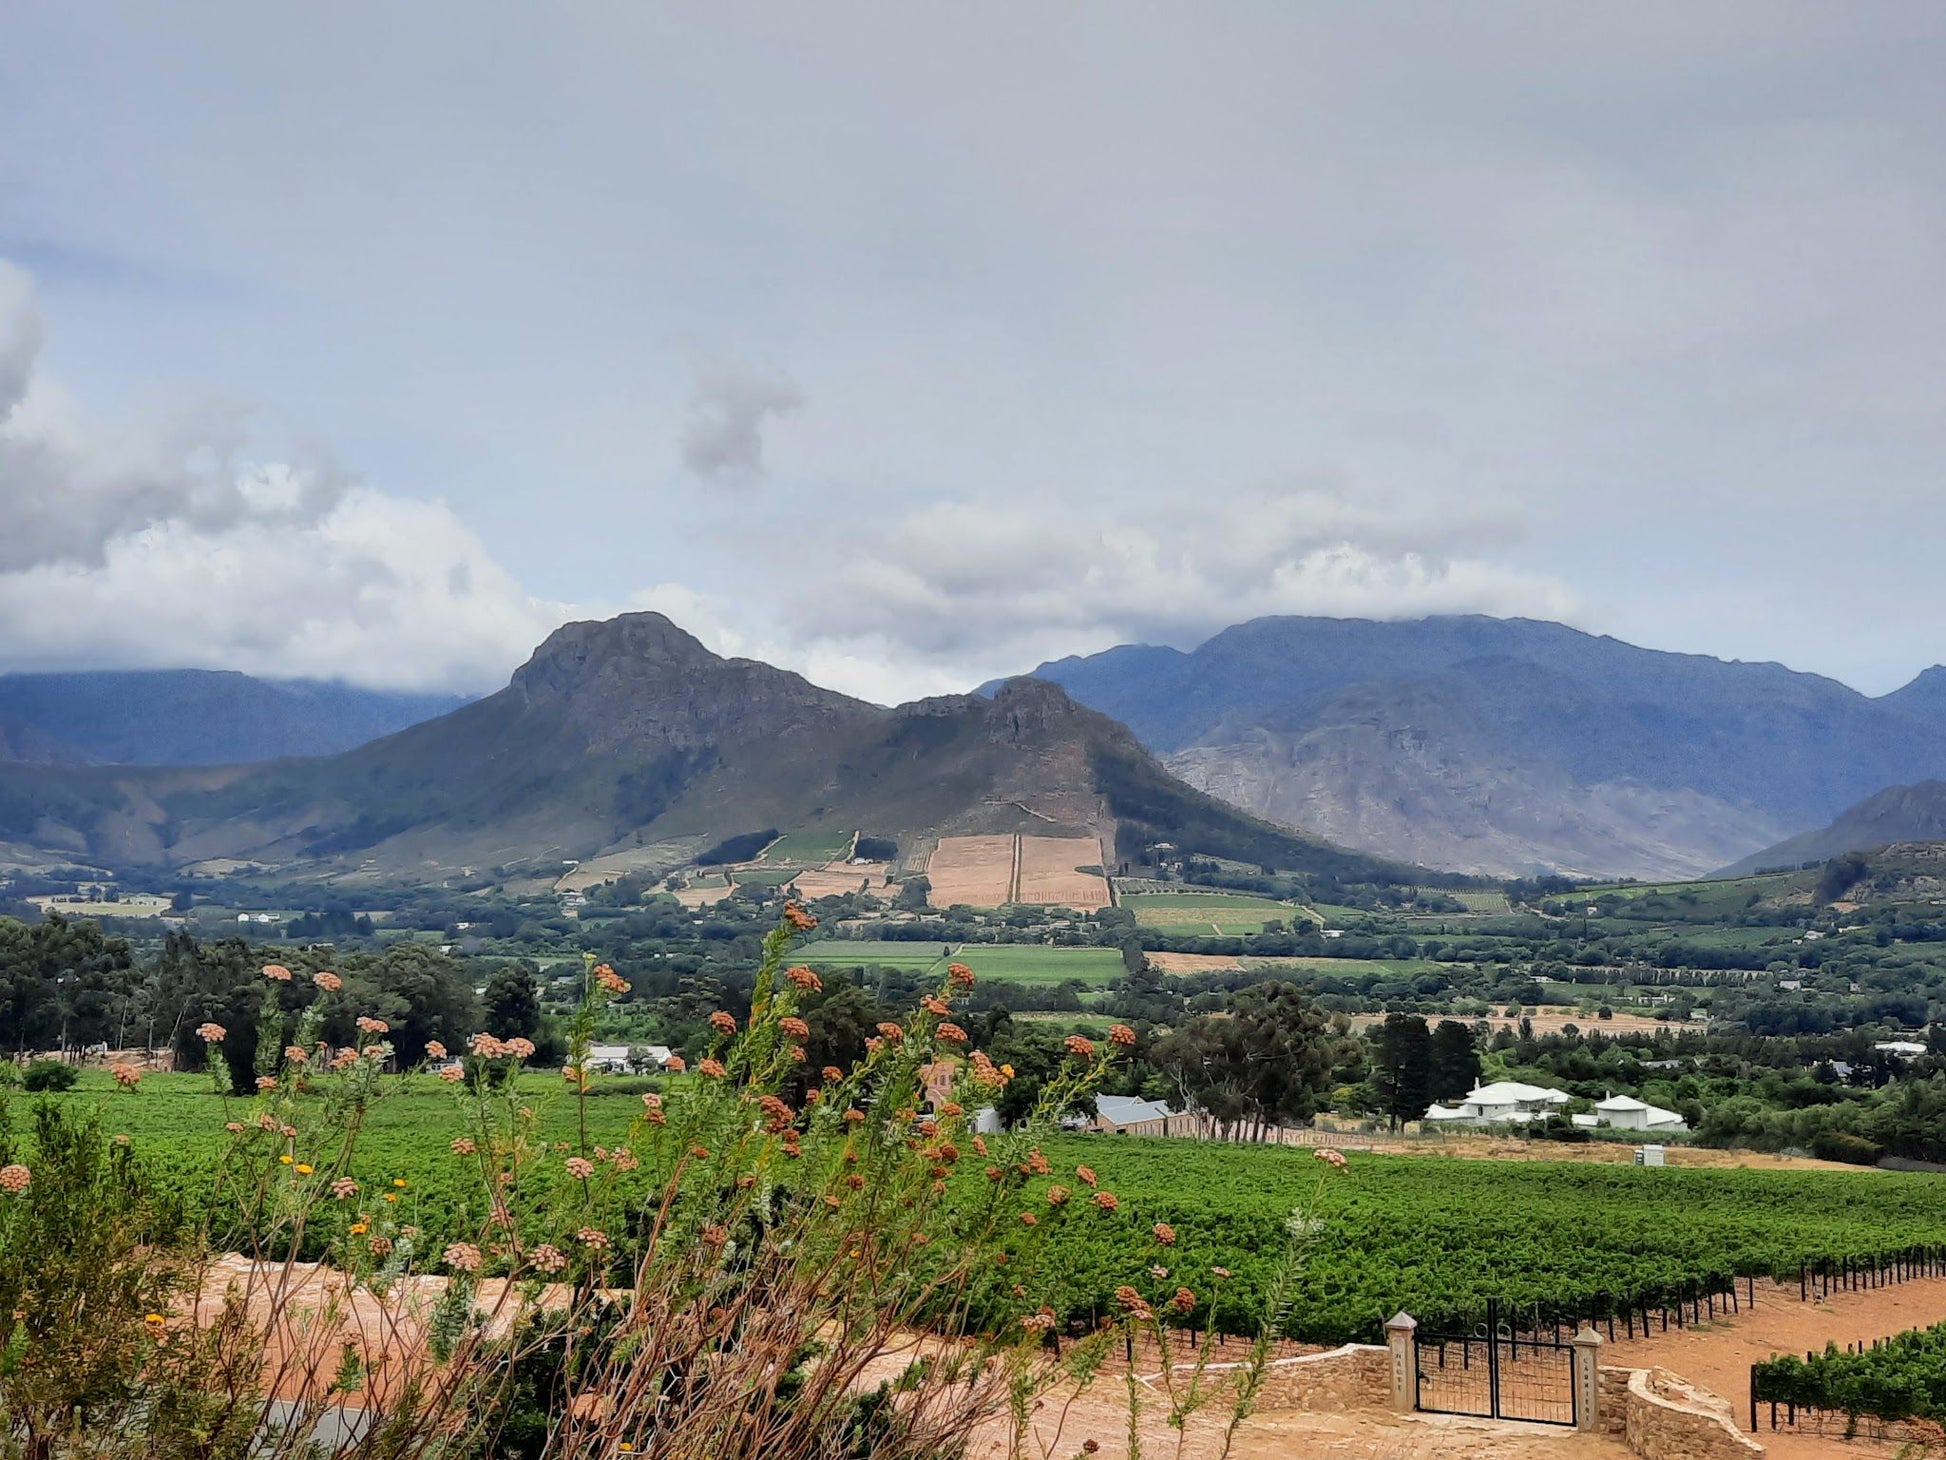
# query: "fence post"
1587,1379
1398,1337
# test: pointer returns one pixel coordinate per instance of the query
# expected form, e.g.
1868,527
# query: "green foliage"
740,848
1903,1378
49,1075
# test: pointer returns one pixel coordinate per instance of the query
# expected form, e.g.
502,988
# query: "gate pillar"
1587,1378
1405,1364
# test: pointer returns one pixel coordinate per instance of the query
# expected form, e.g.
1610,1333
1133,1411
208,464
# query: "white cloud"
730,403
172,544
990,590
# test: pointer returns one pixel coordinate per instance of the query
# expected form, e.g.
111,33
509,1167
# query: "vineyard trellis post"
1398,1337
1587,1377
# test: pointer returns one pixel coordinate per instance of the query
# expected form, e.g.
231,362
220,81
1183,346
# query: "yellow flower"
398,1181
1007,1070
391,1196
285,1159
154,1320
359,1229
304,1170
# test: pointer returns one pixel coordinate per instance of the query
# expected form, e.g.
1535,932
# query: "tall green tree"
512,1004
1264,1063
1402,1068
1455,1059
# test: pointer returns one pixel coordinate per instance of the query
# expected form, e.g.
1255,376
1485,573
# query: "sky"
908,345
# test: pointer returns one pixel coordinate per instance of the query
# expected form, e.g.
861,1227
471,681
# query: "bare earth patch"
975,870
1718,1356
1048,876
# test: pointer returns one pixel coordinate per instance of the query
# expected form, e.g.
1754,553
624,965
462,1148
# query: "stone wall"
1357,1376
1664,1417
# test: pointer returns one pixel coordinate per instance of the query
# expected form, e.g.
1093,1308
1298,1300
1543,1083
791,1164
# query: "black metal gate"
1494,1371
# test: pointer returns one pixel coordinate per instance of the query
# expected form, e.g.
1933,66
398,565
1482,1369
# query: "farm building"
1126,1115
1505,1102
1625,1113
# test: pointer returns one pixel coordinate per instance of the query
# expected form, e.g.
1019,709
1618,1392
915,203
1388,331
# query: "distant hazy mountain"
630,733
1914,813
194,717
1510,746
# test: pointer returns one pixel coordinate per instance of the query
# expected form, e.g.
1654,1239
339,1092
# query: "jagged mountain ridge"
629,732
1508,746
194,717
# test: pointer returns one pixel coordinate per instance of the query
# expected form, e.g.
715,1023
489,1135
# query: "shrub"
1838,1145
50,1075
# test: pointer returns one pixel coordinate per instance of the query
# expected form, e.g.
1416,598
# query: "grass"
764,876
1188,914
812,848
1024,963
175,1124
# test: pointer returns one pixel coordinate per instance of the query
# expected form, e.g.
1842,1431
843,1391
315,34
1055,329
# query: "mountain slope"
630,733
194,717
1915,813
1511,746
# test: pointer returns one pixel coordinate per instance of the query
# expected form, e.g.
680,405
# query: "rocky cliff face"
1509,746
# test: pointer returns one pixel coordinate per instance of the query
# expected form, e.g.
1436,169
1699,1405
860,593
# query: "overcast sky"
910,344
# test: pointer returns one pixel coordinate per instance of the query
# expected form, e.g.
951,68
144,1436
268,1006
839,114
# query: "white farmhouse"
608,1059
1505,1102
1625,1113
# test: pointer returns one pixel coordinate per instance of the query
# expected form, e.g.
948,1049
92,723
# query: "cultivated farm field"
1049,875
975,870
1029,963
1431,1235
1215,913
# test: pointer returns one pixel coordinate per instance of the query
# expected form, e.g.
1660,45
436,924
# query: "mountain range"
1509,746
194,717
629,736
1898,814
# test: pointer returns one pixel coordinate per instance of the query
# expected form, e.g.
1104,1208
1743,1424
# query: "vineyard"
1434,1237
1903,1378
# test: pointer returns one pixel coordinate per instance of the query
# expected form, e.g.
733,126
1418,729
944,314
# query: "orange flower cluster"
800,920
794,1027
723,1022
711,1068
933,1004
1106,1200
15,1179
126,1075
1080,1046
805,980
549,1258
1085,1175
328,981
891,1032
1133,1303
1183,1301
609,981
1165,1234
277,973
211,1033
951,1033
1121,1034
463,1257
959,975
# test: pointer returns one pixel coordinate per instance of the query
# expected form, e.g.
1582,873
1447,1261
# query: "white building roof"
1901,1046
1622,1102
1442,1112
1512,1092
1128,1110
